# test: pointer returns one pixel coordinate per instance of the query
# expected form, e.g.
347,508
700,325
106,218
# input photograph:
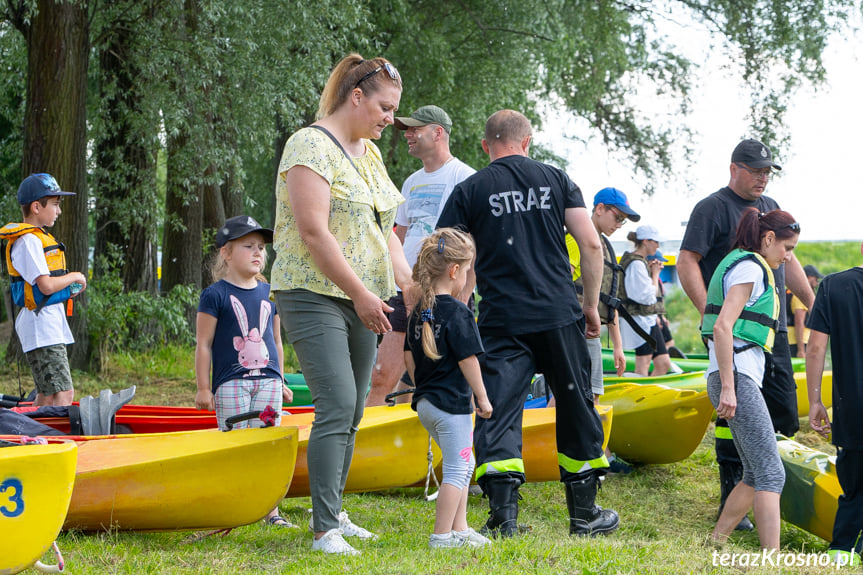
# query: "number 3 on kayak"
13,506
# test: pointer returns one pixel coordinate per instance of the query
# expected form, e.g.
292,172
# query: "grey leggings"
336,352
753,434
454,435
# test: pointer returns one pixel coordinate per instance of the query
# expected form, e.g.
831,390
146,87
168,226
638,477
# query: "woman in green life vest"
740,321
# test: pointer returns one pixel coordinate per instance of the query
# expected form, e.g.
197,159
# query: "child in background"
41,287
247,358
440,353
740,321
836,317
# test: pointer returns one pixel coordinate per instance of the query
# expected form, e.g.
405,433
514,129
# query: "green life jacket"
632,306
611,274
758,322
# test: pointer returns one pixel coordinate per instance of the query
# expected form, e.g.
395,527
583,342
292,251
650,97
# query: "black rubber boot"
503,506
730,475
585,516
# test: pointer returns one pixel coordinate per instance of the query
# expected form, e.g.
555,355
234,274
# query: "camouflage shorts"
50,367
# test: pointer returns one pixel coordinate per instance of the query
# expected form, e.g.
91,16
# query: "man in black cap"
708,238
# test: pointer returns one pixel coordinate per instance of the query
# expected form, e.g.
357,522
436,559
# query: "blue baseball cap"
616,198
658,256
37,186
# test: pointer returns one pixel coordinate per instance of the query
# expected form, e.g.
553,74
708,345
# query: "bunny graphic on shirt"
253,353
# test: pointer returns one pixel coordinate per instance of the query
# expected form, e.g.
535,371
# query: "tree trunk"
126,168
55,131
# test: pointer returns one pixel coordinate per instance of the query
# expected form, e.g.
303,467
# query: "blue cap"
658,256
616,198
37,186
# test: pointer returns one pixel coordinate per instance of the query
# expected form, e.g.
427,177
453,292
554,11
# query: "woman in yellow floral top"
337,262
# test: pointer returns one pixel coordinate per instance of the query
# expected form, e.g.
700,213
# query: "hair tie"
426,315
441,243
761,215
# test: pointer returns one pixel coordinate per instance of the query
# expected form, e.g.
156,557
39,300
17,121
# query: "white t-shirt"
639,288
425,195
49,326
751,361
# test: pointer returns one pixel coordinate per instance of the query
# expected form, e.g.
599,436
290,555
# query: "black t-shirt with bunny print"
243,345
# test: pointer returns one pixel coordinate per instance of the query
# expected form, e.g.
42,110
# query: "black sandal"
279,521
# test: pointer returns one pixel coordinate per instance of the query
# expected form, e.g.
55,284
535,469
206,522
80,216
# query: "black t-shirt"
711,230
515,209
837,312
457,338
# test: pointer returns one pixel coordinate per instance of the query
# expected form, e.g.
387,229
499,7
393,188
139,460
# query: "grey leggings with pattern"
753,434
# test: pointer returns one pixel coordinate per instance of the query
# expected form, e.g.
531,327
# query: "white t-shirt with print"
425,195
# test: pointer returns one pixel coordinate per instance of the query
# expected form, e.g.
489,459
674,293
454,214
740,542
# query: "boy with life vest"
42,288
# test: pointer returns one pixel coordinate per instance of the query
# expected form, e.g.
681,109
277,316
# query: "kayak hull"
180,481
810,497
655,424
390,450
35,489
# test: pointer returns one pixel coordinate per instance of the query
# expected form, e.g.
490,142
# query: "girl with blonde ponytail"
441,345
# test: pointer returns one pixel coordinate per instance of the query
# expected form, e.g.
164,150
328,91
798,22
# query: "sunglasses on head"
794,227
387,67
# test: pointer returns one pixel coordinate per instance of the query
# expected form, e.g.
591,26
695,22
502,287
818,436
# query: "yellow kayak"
183,480
390,450
803,393
35,488
539,442
811,493
656,424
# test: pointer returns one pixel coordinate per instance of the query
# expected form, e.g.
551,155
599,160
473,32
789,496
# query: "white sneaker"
471,538
350,529
442,541
333,542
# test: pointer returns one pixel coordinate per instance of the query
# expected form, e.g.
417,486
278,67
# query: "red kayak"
155,418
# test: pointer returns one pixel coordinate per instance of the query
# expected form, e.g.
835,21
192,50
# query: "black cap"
754,154
238,226
812,271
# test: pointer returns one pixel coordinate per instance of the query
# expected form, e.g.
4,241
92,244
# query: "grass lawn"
667,512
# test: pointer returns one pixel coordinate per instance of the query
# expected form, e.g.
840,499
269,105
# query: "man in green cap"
427,132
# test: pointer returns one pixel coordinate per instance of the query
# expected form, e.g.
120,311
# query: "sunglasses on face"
618,217
387,67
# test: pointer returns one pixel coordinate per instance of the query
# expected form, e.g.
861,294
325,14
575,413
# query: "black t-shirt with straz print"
515,210
457,338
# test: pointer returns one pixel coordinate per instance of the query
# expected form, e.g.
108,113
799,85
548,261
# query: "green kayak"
692,362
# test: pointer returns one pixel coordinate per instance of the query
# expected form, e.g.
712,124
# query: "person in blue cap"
42,288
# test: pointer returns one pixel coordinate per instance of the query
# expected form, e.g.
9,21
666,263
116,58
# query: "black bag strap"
345,152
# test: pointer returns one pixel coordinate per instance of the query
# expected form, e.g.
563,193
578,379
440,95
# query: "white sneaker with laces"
350,529
471,538
333,542
445,540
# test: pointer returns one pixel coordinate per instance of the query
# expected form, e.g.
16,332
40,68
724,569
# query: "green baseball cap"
423,117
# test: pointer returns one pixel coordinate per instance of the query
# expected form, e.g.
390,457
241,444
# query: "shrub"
136,321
